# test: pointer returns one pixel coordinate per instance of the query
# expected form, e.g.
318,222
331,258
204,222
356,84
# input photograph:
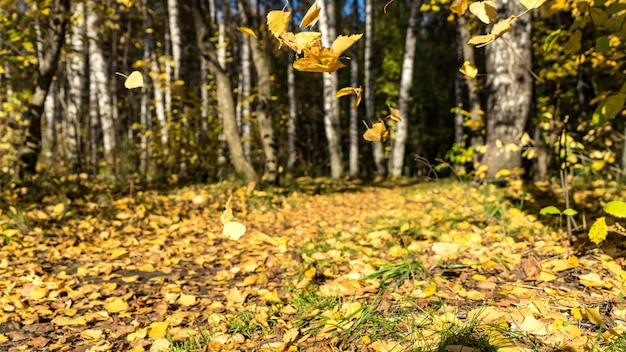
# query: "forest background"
550,92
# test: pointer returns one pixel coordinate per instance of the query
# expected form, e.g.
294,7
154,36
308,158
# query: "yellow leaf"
594,316
378,132
234,230
343,42
186,300
235,296
158,329
134,80
394,114
502,26
227,215
311,16
58,210
139,334
310,273
484,10
91,334
117,305
118,252
317,64
532,4
38,292
481,39
459,7
67,321
248,31
351,90
160,344
468,69
297,42
278,22
598,231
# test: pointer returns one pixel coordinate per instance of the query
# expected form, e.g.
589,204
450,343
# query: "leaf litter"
344,267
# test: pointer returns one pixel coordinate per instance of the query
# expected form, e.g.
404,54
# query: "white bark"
99,98
406,82
175,36
245,125
370,109
293,116
331,105
354,115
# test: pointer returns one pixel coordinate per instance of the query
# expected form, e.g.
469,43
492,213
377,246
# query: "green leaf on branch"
616,208
551,209
569,212
609,108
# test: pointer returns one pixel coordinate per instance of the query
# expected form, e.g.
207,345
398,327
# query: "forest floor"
329,267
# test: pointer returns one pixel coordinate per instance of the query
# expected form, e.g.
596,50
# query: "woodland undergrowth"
322,265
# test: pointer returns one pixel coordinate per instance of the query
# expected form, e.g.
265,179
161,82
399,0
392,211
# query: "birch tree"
353,157
76,80
263,103
293,116
370,105
226,101
99,98
30,150
406,82
510,91
332,125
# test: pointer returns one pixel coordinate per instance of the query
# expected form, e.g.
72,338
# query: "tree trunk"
510,91
175,36
29,152
246,82
370,108
353,156
406,82
264,100
476,138
332,124
99,98
293,116
225,98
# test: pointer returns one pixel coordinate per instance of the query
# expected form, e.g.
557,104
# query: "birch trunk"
293,116
264,100
353,158
224,93
406,82
331,105
31,148
76,68
99,98
510,91
246,81
175,36
370,109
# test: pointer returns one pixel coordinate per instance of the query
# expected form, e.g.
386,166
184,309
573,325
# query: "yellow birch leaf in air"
484,10
234,230
394,113
134,80
311,16
248,31
502,26
351,90
481,40
343,42
459,7
468,69
299,41
278,22
318,64
157,329
378,132
532,4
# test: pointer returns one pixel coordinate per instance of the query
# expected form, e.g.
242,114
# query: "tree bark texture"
225,98
29,152
510,91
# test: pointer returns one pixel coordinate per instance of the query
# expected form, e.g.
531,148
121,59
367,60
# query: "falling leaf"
459,7
351,90
343,42
311,16
248,31
468,69
484,10
234,230
598,231
378,132
278,22
394,113
134,80
532,4
297,42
